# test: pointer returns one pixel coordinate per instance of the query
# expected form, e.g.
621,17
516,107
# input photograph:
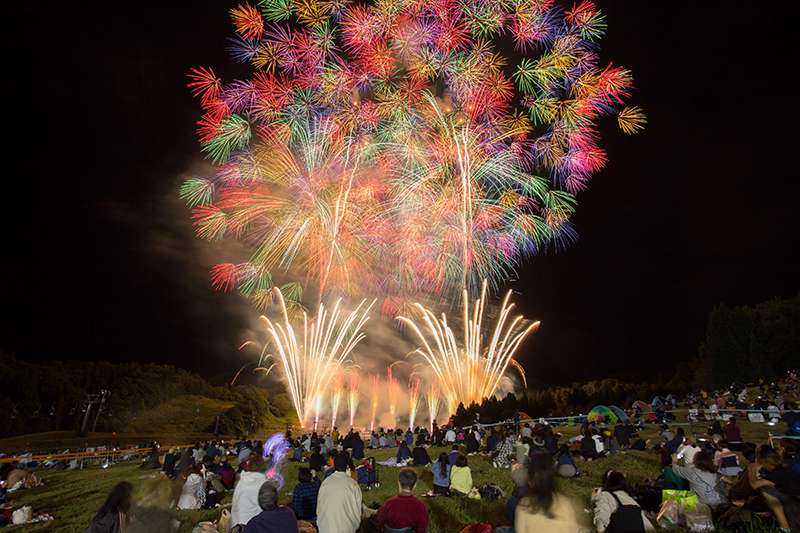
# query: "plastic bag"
699,518
224,522
670,514
686,499
21,515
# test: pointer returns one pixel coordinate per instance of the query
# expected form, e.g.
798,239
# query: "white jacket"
245,497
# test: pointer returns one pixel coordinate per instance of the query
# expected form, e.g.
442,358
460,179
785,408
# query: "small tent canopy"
658,400
602,411
621,415
643,406
672,400
523,418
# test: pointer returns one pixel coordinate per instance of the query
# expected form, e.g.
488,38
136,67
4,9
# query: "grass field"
73,497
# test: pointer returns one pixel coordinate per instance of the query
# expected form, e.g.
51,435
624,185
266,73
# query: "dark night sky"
100,262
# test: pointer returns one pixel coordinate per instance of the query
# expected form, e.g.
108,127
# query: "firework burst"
311,360
353,393
414,389
375,392
432,397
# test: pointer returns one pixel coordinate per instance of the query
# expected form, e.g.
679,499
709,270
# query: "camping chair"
387,529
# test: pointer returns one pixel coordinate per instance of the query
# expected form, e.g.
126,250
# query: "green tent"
599,411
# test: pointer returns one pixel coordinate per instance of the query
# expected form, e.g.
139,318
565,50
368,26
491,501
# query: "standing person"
405,509
441,475
244,505
339,502
113,515
272,518
543,509
614,494
460,477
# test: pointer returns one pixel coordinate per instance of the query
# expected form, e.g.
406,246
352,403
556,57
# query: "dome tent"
601,413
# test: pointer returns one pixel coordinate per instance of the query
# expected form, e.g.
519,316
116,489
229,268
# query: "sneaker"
494,464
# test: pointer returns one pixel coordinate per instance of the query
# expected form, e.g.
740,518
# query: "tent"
601,413
657,400
621,415
643,406
672,400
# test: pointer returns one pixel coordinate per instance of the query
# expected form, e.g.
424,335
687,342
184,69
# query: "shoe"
494,464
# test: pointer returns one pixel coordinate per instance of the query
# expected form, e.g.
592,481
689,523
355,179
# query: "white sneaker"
494,464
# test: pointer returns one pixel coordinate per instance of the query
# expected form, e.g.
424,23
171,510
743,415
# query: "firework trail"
375,391
378,139
336,397
353,393
394,389
414,389
310,362
432,397
470,372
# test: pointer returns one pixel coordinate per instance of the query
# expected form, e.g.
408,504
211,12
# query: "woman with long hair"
543,509
112,517
703,478
614,494
460,477
441,475
193,493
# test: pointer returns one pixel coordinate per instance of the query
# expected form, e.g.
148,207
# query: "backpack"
491,492
626,519
639,445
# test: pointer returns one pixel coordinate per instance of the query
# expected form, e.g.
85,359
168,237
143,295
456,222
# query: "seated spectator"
374,441
152,462
460,477
715,430
420,455
703,479
339,500
405,509
633,433
788,449
727,462
473,441
623,438
272,518
193,493
113,515
304,499
453,455
503,454
742,490
778,486
403,453
450,436
538,445
616,493
523,448
668,474
441,475
665,435
492,441
732,434
244,505
589,448
316,461
519,475
358,447
542,508
170,460
565,463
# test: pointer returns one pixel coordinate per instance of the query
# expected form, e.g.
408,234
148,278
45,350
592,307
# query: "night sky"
100,260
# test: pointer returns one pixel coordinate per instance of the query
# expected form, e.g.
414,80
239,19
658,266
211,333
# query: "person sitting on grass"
441,475
523,447
504,450
616,493
453,455
565,463
789,453
339,500
543,509
272,518
405,509
420,455
316,460
589,447
727,462
403,453
358,447
193,493
113,515
304,499
244,505
778,486
667,472
703,478
20,478
460,477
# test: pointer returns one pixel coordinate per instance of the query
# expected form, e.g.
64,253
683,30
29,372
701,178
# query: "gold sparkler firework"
353,393
414,389
336,397
432,396
375,390
391,384
311,362
471,373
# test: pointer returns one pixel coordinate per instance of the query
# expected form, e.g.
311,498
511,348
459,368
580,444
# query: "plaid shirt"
305,499
732,433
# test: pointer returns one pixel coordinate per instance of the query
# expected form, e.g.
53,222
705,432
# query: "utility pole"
196,413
